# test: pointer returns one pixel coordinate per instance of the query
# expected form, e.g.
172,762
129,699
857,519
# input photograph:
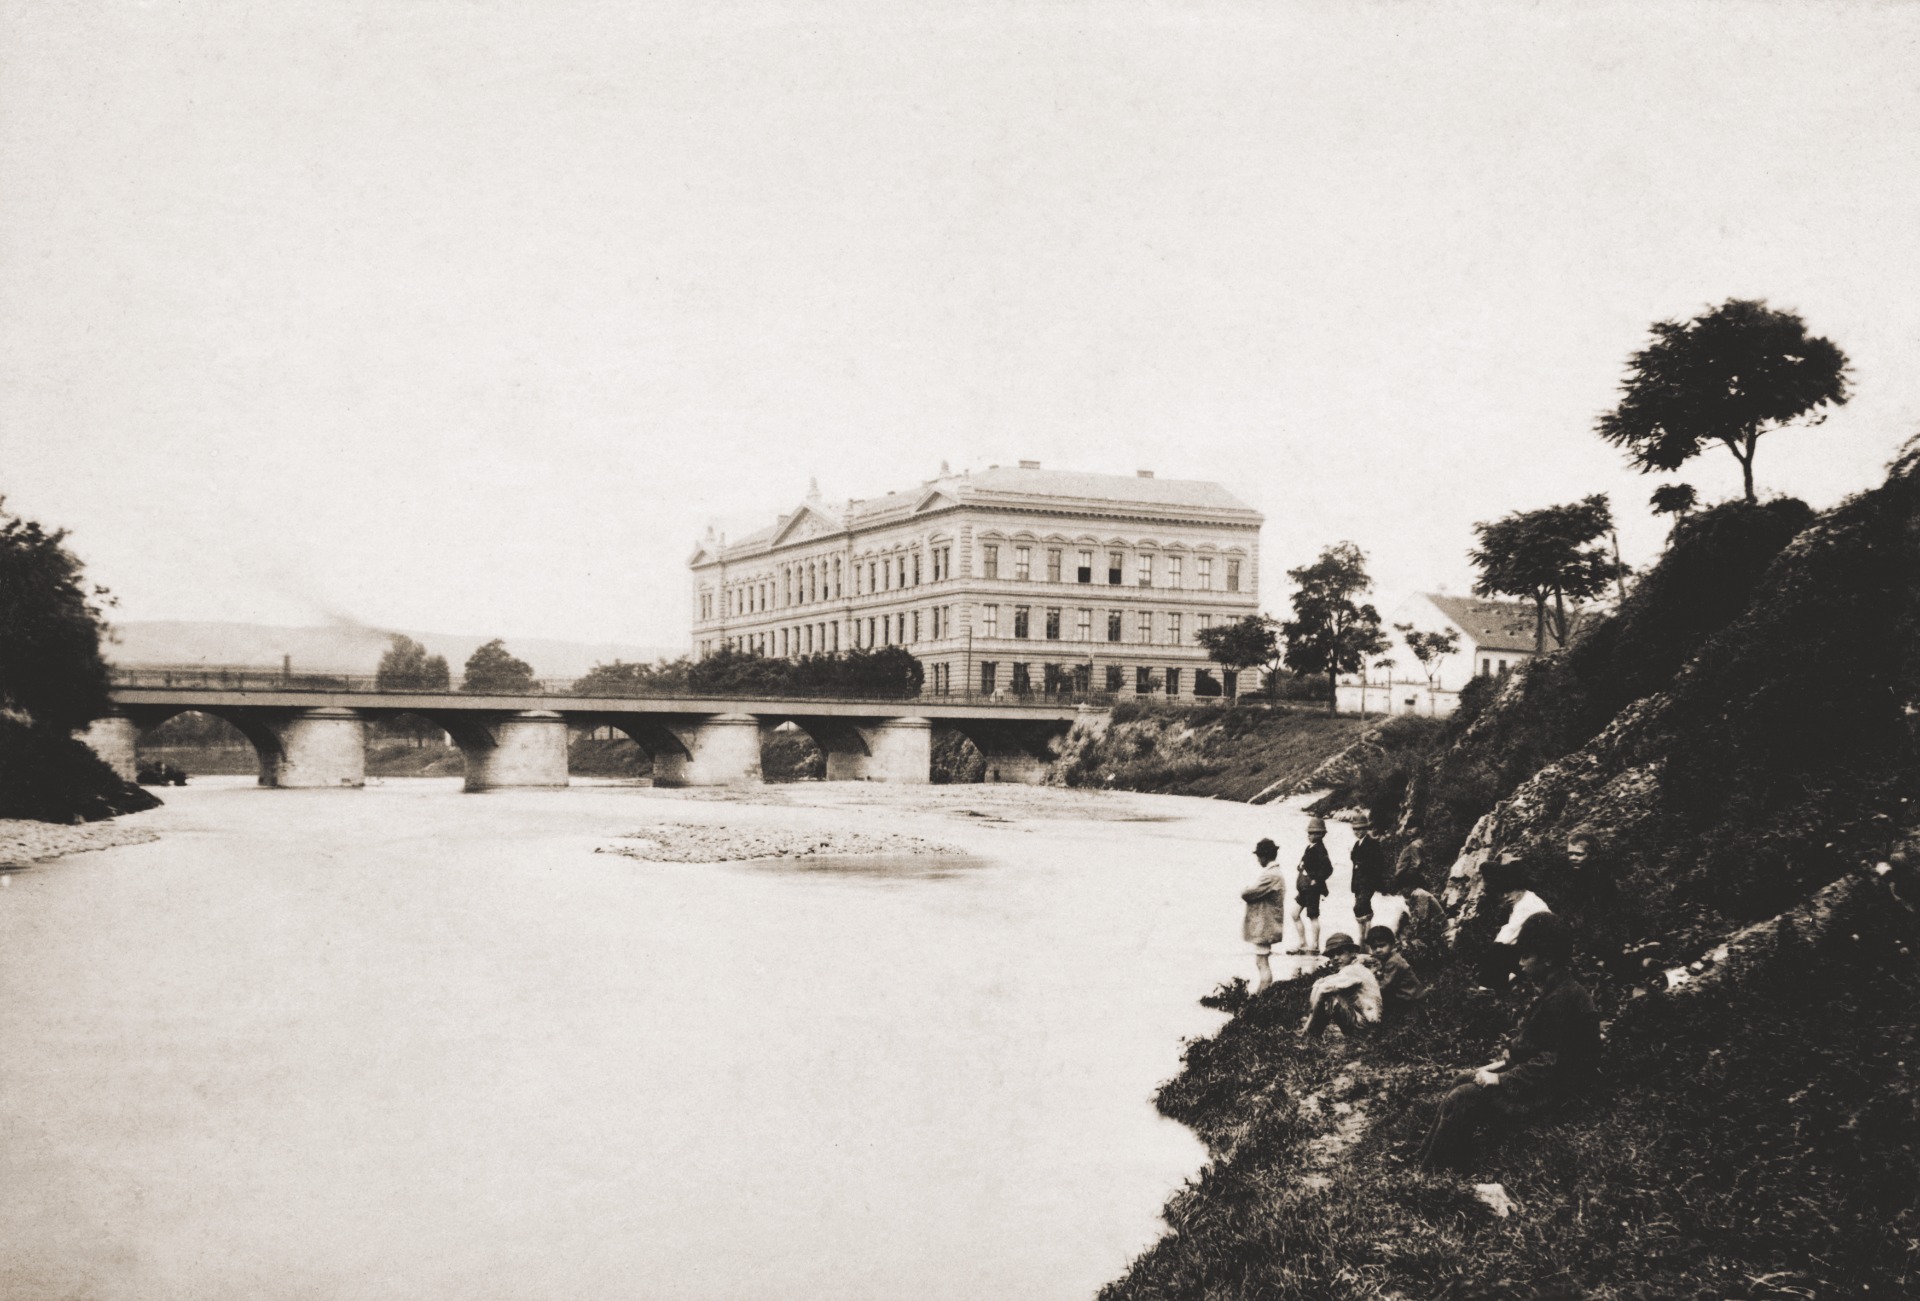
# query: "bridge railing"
265,679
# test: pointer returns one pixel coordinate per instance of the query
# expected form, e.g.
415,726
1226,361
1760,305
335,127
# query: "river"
406,1043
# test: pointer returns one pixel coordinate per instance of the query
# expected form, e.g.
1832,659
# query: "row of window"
906,627
1172,568
1058,678
1172,625
807,582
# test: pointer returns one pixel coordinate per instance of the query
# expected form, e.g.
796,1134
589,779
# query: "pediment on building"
805,522
933,499
702,556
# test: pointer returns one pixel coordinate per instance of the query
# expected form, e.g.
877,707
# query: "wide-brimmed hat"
1339,942
1363,822
1317,824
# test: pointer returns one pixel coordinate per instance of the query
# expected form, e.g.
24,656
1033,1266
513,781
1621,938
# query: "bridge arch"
260,734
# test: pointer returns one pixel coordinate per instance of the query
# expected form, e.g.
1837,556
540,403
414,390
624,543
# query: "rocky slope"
1750,757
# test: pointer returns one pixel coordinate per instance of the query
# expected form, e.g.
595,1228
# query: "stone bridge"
317,737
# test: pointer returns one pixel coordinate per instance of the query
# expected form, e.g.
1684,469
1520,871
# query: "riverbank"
23,842
1211,751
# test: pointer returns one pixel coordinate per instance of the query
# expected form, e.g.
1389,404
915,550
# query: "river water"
408,1043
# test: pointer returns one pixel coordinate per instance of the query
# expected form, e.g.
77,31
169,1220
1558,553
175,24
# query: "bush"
48,776
956,760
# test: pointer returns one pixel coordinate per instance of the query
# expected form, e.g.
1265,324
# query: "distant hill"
343,648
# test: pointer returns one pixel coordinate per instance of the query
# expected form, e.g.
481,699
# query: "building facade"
1008,581
1494,637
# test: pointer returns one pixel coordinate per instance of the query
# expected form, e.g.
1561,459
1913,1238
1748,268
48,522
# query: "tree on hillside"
1547,556
1727,376
406,666
51,669
494,670
1243,644
1430,648
623,679
1331,632
1674,499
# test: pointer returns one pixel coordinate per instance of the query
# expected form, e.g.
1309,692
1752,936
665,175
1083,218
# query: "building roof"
1490,625
1004,485
1022,482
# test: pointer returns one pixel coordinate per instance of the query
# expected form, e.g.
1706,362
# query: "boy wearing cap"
1369,858
1310,886
1264,921
1551,1055
1504,883
1348,996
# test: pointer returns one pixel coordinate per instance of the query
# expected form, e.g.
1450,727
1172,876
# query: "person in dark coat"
1401,990
1370,870
1551,1056
1423,925
1310,886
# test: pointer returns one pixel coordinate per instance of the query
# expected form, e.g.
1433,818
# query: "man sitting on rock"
1348,996
1551,1055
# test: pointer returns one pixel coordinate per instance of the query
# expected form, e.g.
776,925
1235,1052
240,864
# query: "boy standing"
1310,885
1369,858
1265,900
1348,996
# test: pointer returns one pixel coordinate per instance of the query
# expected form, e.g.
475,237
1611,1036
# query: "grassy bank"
1209,751
1741,736
1751,1138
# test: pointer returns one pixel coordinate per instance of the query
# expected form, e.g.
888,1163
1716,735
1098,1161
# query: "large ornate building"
1009,580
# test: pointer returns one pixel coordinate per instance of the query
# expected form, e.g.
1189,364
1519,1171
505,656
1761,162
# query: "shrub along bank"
1234,753
1756,1131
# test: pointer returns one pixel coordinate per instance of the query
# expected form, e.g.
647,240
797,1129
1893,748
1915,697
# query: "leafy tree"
1547,555
891,672
50,628
623,679
53,681
1430,648
1727,376
406,666
1674,499
494,670
1331,632
1243,644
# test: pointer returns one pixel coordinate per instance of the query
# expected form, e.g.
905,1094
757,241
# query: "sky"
474,316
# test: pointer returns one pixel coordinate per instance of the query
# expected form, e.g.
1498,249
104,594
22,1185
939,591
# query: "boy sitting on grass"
1551,1057
1400,987
1348,996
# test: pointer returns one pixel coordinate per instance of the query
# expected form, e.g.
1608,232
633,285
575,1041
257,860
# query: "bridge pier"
898,750
1017,752
528,750
112,737
318,747
723,750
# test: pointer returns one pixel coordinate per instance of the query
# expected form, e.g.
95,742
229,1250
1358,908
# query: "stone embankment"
23,842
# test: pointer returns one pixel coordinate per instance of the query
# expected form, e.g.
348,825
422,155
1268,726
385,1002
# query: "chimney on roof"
945,473
1029,465
1144,474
